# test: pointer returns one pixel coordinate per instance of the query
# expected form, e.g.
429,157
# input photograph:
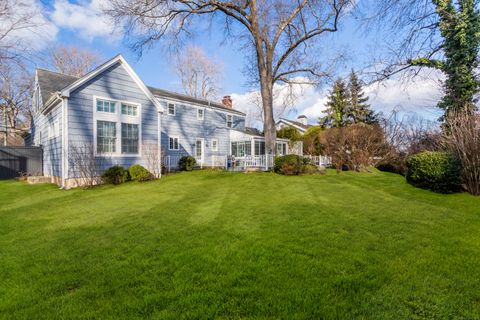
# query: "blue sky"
80,23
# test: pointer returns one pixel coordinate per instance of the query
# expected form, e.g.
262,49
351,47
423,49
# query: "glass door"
199,150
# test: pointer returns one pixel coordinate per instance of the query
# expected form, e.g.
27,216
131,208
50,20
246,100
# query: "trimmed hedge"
187,163
115,175
437,171
140,173
292,164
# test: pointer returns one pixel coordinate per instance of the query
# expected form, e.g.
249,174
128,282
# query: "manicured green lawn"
223,245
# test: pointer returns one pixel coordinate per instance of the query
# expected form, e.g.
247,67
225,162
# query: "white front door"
199,151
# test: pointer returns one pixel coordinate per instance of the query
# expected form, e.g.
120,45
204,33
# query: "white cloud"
419,96
84,17
30,27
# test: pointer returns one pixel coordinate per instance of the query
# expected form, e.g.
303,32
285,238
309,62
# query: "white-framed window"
281,148
214,145
229,121
171,109
130,139
106,136
200,114
129,109
117,127
54,129
173,143
106,106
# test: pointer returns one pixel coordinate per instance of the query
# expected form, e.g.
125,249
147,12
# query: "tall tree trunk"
268,121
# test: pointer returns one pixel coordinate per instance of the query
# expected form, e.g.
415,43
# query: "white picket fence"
264,162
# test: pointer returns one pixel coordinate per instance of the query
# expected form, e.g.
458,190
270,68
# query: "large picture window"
106,137
129,138
241,148
259,148
117,126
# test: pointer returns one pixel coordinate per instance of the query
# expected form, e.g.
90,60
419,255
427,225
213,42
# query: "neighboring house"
114,113
301,124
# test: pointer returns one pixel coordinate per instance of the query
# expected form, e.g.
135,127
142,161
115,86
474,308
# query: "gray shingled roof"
183,97
253,131
296,123
51,82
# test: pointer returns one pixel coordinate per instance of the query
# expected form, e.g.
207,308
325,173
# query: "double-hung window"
117,127
171,109
173,143
129,138
229,121
214,145
54,129
106,136
200,114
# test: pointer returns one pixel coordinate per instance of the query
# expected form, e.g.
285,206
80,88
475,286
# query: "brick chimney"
227,102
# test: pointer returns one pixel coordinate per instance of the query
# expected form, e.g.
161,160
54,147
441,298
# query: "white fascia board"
117,59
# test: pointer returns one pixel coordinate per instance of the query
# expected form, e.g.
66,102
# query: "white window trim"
226,122
129,104
203,114
53,129
174,108
216,149
118,118
178,142
203,148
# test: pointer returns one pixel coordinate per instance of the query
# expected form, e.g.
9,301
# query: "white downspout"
159,151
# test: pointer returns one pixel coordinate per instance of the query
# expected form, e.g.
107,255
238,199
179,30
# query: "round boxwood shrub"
139,173
291,164
436,171
310,169
115,175
187,163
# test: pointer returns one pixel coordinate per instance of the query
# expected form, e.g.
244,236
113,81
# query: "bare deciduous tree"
199,74
463,140
152,158
17,17
15,101
278,35
73,60
84,165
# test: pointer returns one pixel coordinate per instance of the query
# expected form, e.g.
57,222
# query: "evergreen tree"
337,107
358,109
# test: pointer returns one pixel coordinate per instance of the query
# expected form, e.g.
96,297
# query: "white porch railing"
320,160
264,162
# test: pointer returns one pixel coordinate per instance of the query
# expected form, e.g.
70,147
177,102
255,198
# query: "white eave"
117,59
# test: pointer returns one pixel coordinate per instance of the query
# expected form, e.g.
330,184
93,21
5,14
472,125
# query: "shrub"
436,171
463,140
288,165
187,163
292,164
289,133
354,147
139,173
310,169
393,164
115,175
